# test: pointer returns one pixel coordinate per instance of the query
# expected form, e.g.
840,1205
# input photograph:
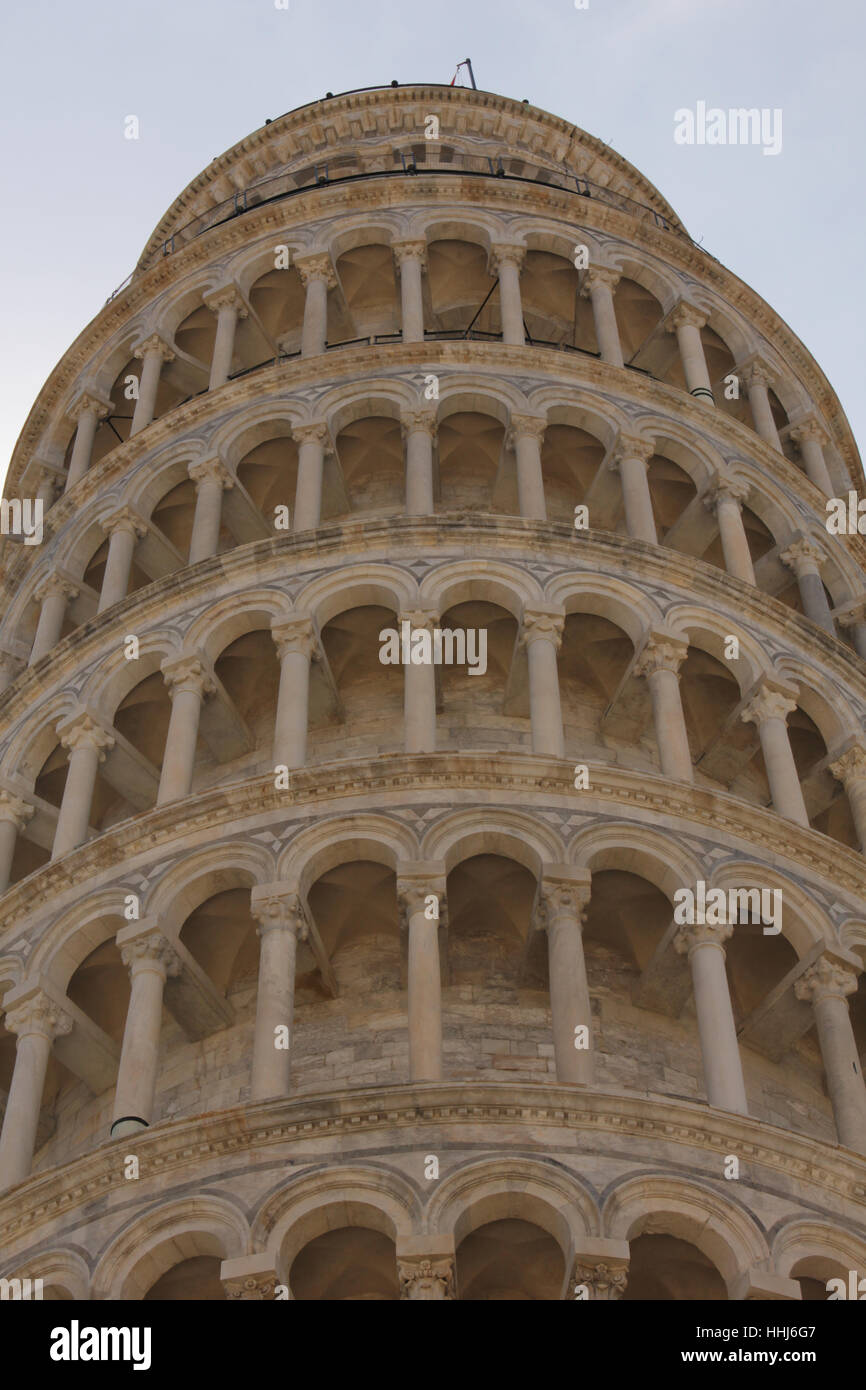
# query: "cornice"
790,1162
302,209
382,783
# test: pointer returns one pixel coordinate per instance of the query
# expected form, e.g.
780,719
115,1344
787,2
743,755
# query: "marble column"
87,412
725,498
417,885
228,305
687,322
599,283
152,352
826,986
769,709
850,770
150,958
318,276
53,594
630,457
212,479
758,379
312,441
564,898
189,683
279,912
525,436
659,662
295,641
14,815
419,688
812,439
419,434
37,1020
50,481
541,634
411,261
505,262
88,744
704,944
805,558
123,528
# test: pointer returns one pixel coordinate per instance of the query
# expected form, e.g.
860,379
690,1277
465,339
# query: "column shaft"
639,519
530,482
308,490
723,1070
180,744
842,1068
419,708
411,299
21,1121
275,1008
224,345
82,449
290,725
425,998
694,362
670,725
139,1057
207,520
604,318
782,772
735,545
118,567
762,414
569,996
151,367
545,710
315,327
419,471
73,821
50,625
8,842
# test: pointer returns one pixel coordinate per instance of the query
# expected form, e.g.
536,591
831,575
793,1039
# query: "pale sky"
80,200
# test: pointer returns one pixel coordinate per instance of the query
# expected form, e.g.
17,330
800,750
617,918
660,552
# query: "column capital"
850,765
827,978
89,401
14,809
596,275
418,880
413,249
605,1280
691,935
736,490
803,556
506,253
294,634
854,611
661,652
686,315
564,892
806,428
155,346
226,297
316,267
756,371
278,907
769,701
316,432
81,730
124,519
631,446
528,426
419,421
251,1278
420,619
426,1278
542,625
187,673
211,470
34,1011
144,946
56,586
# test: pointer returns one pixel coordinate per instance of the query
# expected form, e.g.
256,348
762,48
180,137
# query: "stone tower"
525,969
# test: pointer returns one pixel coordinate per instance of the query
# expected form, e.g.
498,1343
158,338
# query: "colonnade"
38,1018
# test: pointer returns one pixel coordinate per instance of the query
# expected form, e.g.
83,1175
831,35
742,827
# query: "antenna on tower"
467,63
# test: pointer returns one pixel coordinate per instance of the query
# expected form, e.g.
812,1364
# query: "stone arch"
233,617
816,1239
71,938
623,604
811,923
831,714
35,738
459,396
63,1270
646,851
150,1244
255,424
327,596
501,583
493,1189
704,628
321,847
114,677
511,834
194,878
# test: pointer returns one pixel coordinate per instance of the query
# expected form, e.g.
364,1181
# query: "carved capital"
505,253
803,557
851,766
154,346
124,519
86,403
150,951
419,421
82,731
661,654
420,619
756,373
229,297
316,433
413,892
605,1282
13,809
278,907
694,934
526,426
55,586
597,275
540,626
423,1279
252,1288
316,267
631,446
211,470
807,429
562,899
412,250
767,703
826,979
38,1013
687,315
735,490
187,673
294,635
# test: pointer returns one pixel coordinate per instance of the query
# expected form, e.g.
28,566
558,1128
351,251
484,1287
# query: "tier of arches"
343,907
494,1229
430,276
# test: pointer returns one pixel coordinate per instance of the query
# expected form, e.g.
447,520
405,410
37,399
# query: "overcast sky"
81,200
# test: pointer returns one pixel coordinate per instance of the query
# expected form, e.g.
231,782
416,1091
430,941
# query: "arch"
194,878
511,834
499,582
814,1238
811,923
152,1243
623,604
329,843
235,616
359,585
708,631
59,1269
71,938
646,851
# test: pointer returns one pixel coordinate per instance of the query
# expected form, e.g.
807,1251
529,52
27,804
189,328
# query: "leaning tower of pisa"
432,760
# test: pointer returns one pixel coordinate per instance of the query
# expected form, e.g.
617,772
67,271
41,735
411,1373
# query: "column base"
703,393
127,1124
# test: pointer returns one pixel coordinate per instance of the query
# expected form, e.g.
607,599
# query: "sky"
81,199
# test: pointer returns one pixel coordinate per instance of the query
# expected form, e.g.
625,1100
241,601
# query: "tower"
432,779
